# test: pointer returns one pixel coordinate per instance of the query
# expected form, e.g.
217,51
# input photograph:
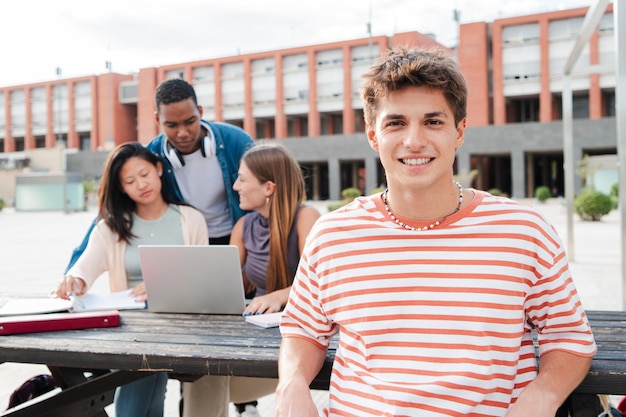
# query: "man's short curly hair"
403,67
174,91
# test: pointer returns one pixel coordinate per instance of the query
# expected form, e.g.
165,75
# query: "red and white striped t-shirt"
435,323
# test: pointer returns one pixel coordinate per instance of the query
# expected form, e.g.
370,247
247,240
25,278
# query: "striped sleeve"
555,310
304,316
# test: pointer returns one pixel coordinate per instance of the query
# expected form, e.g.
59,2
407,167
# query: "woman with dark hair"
270,239
133,210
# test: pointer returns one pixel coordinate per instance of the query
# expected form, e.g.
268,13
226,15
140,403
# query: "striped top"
435,323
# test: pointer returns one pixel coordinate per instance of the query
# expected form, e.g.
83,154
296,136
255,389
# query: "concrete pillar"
334,179
316,181
517,174
462,162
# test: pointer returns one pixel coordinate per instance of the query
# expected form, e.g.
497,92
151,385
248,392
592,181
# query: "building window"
359,121
263,66
203,74
176,73
236,122
19,144
608,98
297,126
84,142
517,34
524,110
580,106
521,62
331,124
565,28
265,129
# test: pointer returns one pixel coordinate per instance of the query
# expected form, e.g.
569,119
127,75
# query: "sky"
80,36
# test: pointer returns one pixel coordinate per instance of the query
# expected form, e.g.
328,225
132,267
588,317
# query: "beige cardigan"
105,252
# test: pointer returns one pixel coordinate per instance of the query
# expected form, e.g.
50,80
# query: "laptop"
198,279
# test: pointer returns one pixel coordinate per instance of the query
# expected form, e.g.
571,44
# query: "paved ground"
35,247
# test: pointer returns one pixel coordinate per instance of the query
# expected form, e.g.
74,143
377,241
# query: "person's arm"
268,303
81,247
565,341
559,374
306,219
299,361
88,266
70,285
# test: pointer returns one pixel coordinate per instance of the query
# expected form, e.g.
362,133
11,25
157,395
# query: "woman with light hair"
270,239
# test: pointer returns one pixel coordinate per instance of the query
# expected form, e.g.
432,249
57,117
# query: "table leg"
68,377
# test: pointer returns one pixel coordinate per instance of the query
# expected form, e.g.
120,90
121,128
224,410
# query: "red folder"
58,321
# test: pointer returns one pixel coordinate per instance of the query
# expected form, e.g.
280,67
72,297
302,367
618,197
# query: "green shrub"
465,178
497,192
542,193
348,194
614,194
89,186
1,204
592,205
335,205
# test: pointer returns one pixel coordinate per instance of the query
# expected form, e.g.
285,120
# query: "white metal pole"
592,18
568,161
619,28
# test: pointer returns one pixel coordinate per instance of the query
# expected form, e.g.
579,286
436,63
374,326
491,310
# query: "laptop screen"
200,279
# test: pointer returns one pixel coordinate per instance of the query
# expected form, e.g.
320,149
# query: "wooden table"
185,345
190,346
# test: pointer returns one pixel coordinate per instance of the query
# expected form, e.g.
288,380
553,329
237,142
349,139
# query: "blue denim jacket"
231,142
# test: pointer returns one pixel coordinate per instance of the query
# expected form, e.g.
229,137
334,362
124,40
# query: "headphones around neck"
207,146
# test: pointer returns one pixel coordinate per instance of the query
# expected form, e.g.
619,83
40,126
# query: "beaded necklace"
430,226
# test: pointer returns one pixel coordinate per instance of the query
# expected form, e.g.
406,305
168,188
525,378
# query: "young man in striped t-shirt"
435,290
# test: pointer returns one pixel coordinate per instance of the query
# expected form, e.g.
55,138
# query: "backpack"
32,388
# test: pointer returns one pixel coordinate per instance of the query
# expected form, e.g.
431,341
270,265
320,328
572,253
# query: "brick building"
308,98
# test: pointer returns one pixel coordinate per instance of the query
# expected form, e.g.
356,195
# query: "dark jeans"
144,397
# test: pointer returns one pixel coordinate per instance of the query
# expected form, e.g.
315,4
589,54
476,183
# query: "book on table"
45,314
88,302
265,320
49,322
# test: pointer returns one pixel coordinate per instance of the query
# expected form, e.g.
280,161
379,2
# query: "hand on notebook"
70,285
268,303
139,292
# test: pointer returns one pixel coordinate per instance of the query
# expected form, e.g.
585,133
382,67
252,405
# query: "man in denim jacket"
191,145
196,153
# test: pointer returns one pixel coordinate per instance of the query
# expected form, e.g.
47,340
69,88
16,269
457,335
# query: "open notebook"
266,320
88,302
